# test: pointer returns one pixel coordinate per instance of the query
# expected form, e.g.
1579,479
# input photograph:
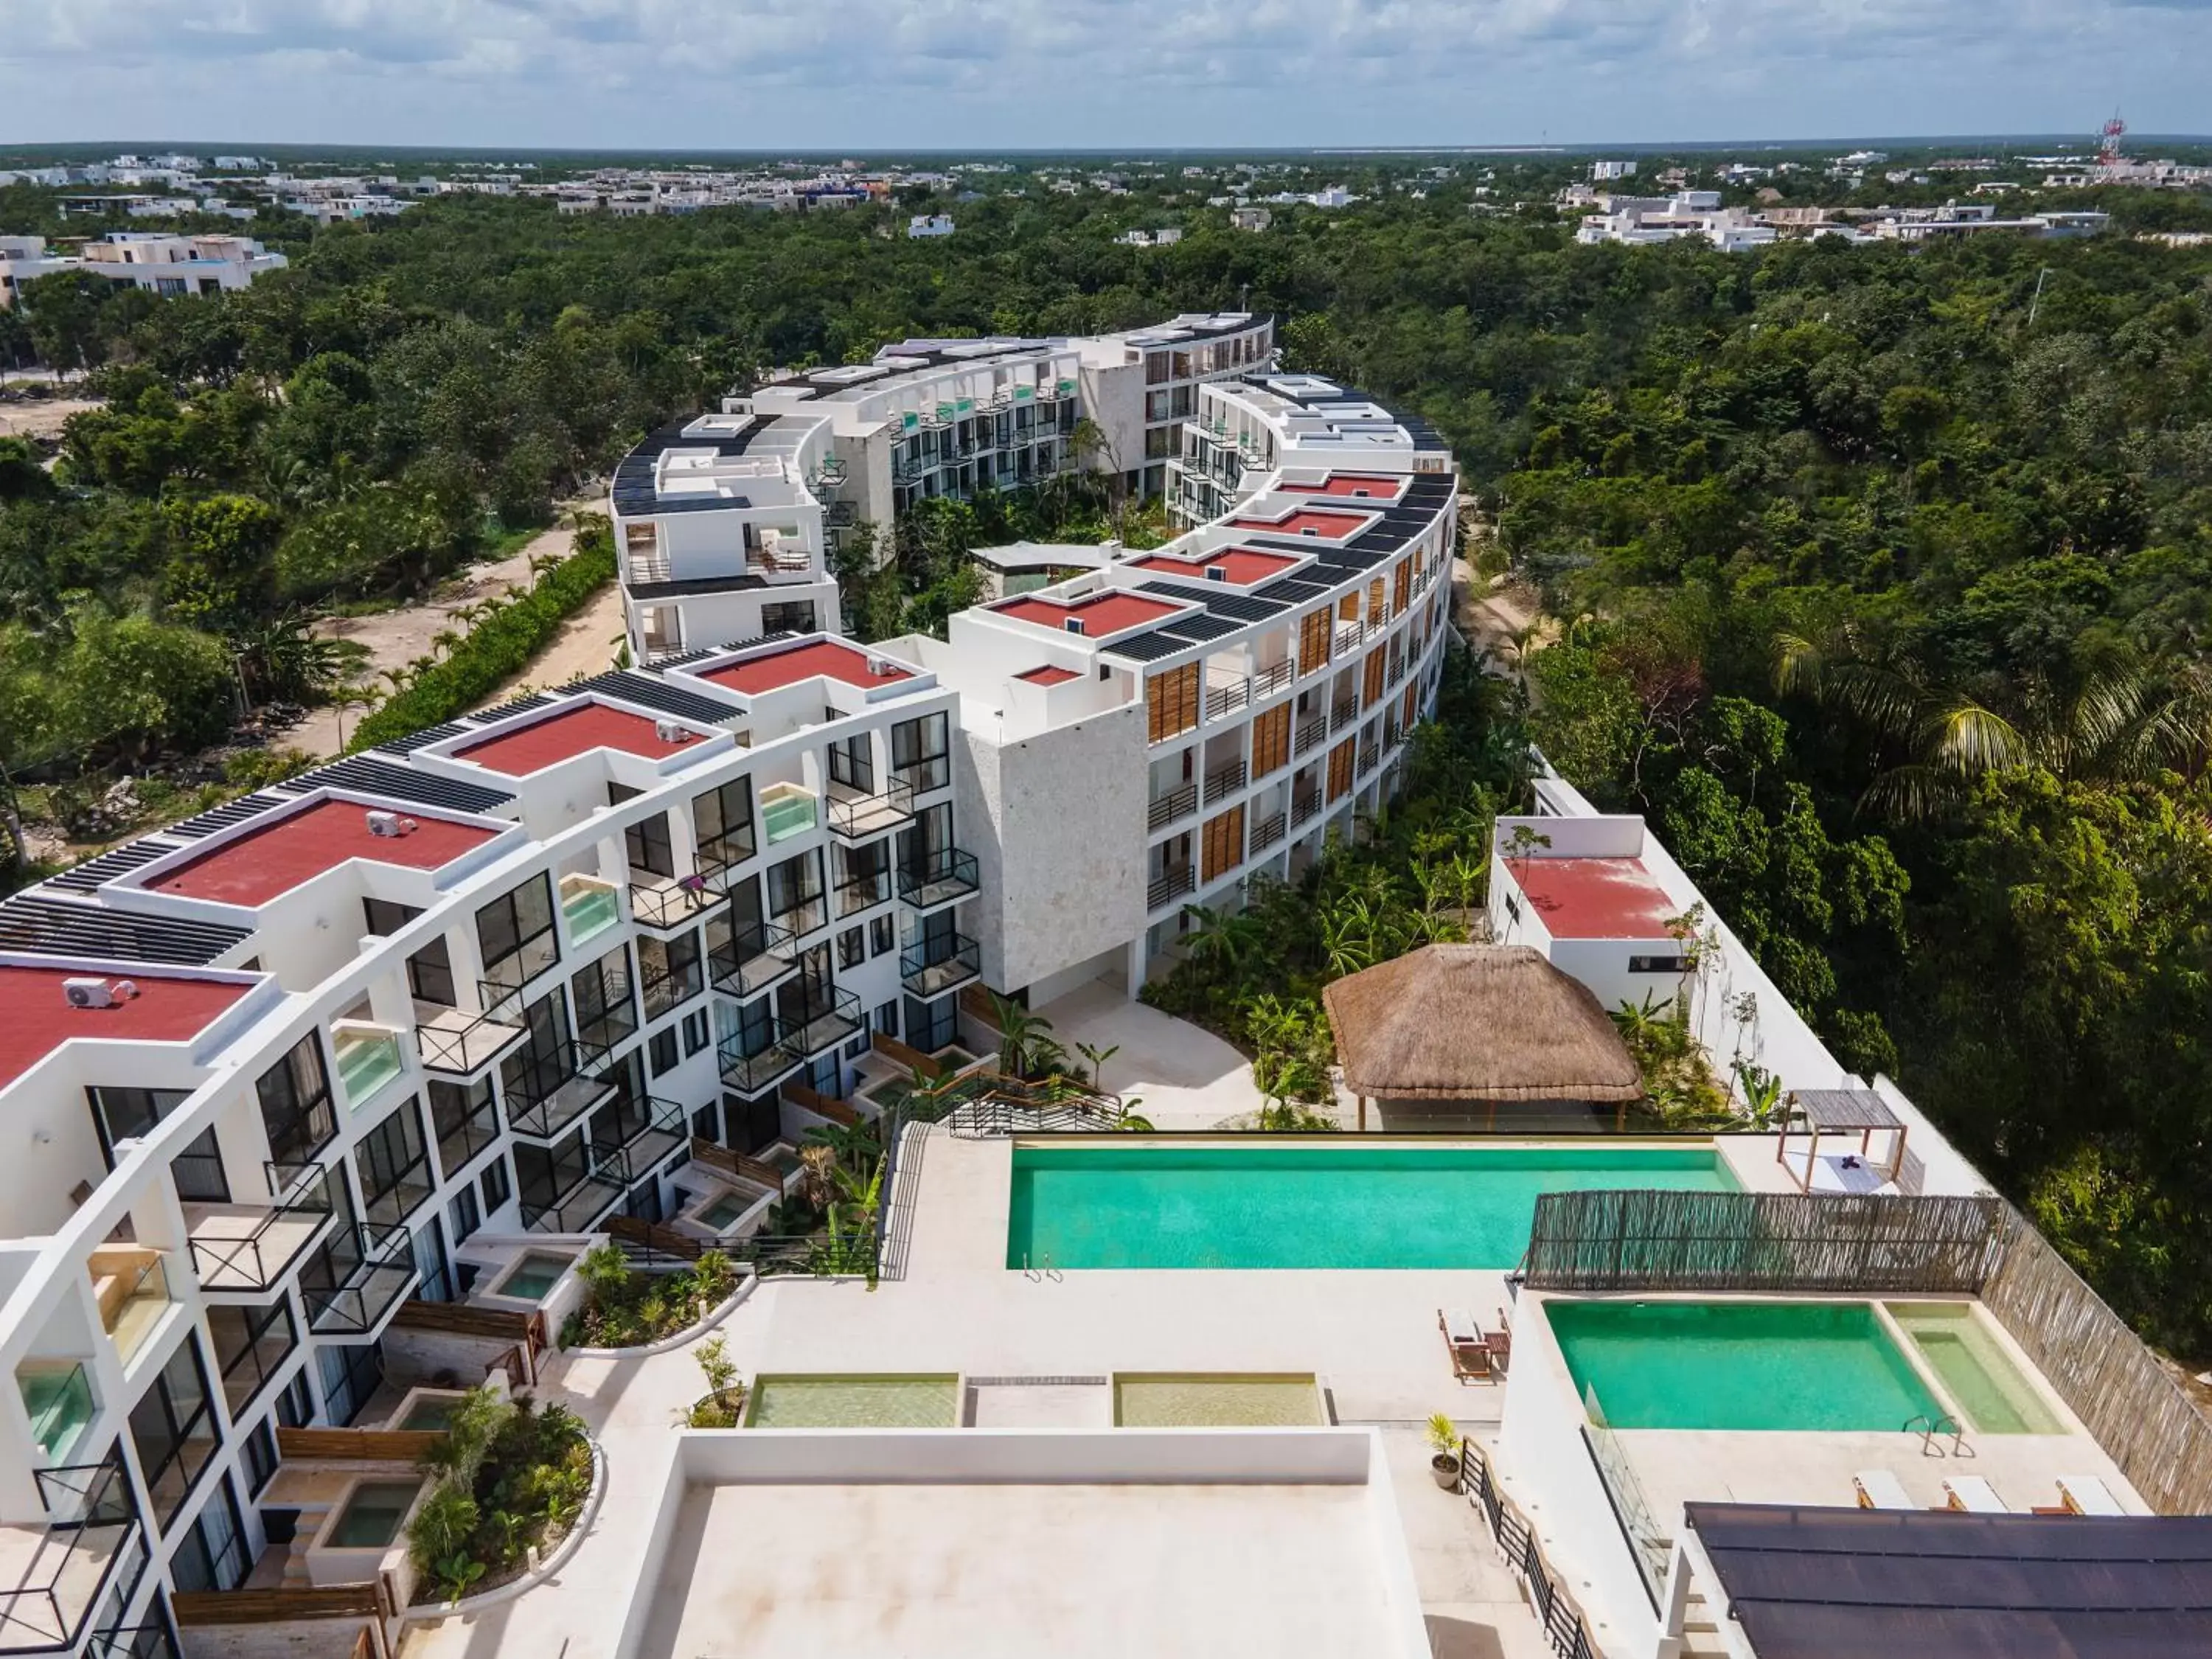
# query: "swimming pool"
1974,1369
1738,1365
886,1401
1171,1399
1311,1205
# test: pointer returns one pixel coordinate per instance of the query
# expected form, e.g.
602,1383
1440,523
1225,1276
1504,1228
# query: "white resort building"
319,1099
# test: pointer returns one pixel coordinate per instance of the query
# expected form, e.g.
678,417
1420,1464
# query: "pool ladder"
1931,1427
1041,1270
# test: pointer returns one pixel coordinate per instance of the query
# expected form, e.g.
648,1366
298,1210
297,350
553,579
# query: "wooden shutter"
1401,587
1375,600
1271,740
1411,704
1339,768
1371,692
1171,702
1224,843
1313,642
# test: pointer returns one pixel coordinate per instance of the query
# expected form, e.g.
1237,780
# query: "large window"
515,931
864,875
724,820
921,752
212,1555
252,1343
646,841
394,1168
794,892
669,973
605,1012
121,1115
295,1103
853,763
788,616
173,1428
464,1119
429,970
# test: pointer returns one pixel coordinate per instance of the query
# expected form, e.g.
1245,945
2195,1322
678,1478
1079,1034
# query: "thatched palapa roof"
1477,1021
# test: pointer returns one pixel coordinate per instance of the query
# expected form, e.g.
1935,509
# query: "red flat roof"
259,864
1305,522
1101,615
40,1019
1048,675
1360,486
817,659
1239,565
573,732
1595,898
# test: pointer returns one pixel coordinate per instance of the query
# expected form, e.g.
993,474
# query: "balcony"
591,906
1176,803
377,1283
1270,680
1370,756
52,1576
932,966
246,1250
945,877
1224,780
1343,713
753,1074
1226,697
864,891
822,1018
650,1130
720,854
662,906
788,810
579,1206
1267,831
755,959
1304,804
1166,888
130,1284
460,1042
555,1087
368,1056
857,817
1312,733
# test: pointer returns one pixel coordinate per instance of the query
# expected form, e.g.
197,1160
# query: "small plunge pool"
1168,1399
886,1401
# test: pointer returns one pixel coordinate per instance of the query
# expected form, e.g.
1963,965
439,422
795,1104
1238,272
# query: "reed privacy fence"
1638,1240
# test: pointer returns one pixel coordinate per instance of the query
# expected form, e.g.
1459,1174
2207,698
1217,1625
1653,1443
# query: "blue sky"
1029,74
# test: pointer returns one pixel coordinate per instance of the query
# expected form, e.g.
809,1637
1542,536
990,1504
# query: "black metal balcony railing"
1267,831
643,1131
578,1206
1224,780
1227,699
665,906
1304,803
941,878
1268,681
856,816
1172,885
931,967
755,959
384,1274
820,1017
556,1086
861,892
925,776
1343,713
664,986
91,1538
461,1042
1177,802
1313,731
1371,755
749,1071
243,1248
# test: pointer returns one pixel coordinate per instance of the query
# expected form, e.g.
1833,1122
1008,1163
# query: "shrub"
511,1477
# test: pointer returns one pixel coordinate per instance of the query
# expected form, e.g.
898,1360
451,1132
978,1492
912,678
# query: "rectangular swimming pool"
1974,1369
1738,1365
1311,1205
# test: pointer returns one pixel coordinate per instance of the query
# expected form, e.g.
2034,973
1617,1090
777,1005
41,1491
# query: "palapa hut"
1481,1025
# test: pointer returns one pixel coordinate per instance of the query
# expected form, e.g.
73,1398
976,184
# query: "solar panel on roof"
70,928
116,861
1150,647
520,705
654,692
375,777
429,734
1243,607
223,816
1201,627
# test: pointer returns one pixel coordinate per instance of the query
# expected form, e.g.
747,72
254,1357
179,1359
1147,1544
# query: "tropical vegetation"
627,1307
508,1476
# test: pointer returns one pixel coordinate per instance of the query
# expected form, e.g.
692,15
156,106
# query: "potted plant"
1444,1436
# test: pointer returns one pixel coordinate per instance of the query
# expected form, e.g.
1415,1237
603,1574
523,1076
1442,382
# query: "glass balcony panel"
591,905
368,1056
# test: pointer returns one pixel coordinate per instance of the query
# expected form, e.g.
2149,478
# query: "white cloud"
1045,73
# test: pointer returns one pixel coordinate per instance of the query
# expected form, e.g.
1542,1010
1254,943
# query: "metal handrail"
1172,885
955,950
307,1192
1270,680
823,1003
845,811
1312,733
448,1050
732,966
947,866
678,904
1304,803
1224,779
572,1058
1179,800
42,1608
347,1307
749,1074
1267,831
1018,1106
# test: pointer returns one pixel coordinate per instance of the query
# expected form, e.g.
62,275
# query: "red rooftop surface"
258,865
573,732
817,659
1101,615
1332,526
40,1019
1358,486
1048,675
1595,898
1240,566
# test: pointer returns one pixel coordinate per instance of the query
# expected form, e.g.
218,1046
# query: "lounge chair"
1500,1342
1974,1495
1470,1356
1878,1489
2085,1494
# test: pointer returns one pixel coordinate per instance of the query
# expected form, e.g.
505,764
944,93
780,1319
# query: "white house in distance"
929,224
156,261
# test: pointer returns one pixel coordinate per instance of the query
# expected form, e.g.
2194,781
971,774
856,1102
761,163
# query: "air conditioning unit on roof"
90,991
383,822
670,730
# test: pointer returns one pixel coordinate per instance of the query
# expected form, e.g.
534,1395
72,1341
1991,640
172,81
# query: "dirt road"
41,420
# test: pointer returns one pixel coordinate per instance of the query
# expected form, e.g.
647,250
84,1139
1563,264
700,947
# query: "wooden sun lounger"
1974,1495
1470,1356
2085,1494
1878,1489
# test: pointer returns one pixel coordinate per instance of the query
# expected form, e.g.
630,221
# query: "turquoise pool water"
1738,1364
1311,1205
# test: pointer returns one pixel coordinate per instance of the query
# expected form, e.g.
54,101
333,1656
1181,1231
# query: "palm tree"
1021,1034
443,641
1097,1057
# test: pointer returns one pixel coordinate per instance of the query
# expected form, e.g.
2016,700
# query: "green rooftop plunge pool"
1144,1204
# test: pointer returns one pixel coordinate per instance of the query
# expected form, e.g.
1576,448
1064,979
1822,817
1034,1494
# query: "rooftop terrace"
1305,522
1098,616
39,1018
253,868
816,660
1595,898
1240,566
576,730
1358,486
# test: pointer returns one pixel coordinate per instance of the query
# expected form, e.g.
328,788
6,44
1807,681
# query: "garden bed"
625,1308
514,1481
